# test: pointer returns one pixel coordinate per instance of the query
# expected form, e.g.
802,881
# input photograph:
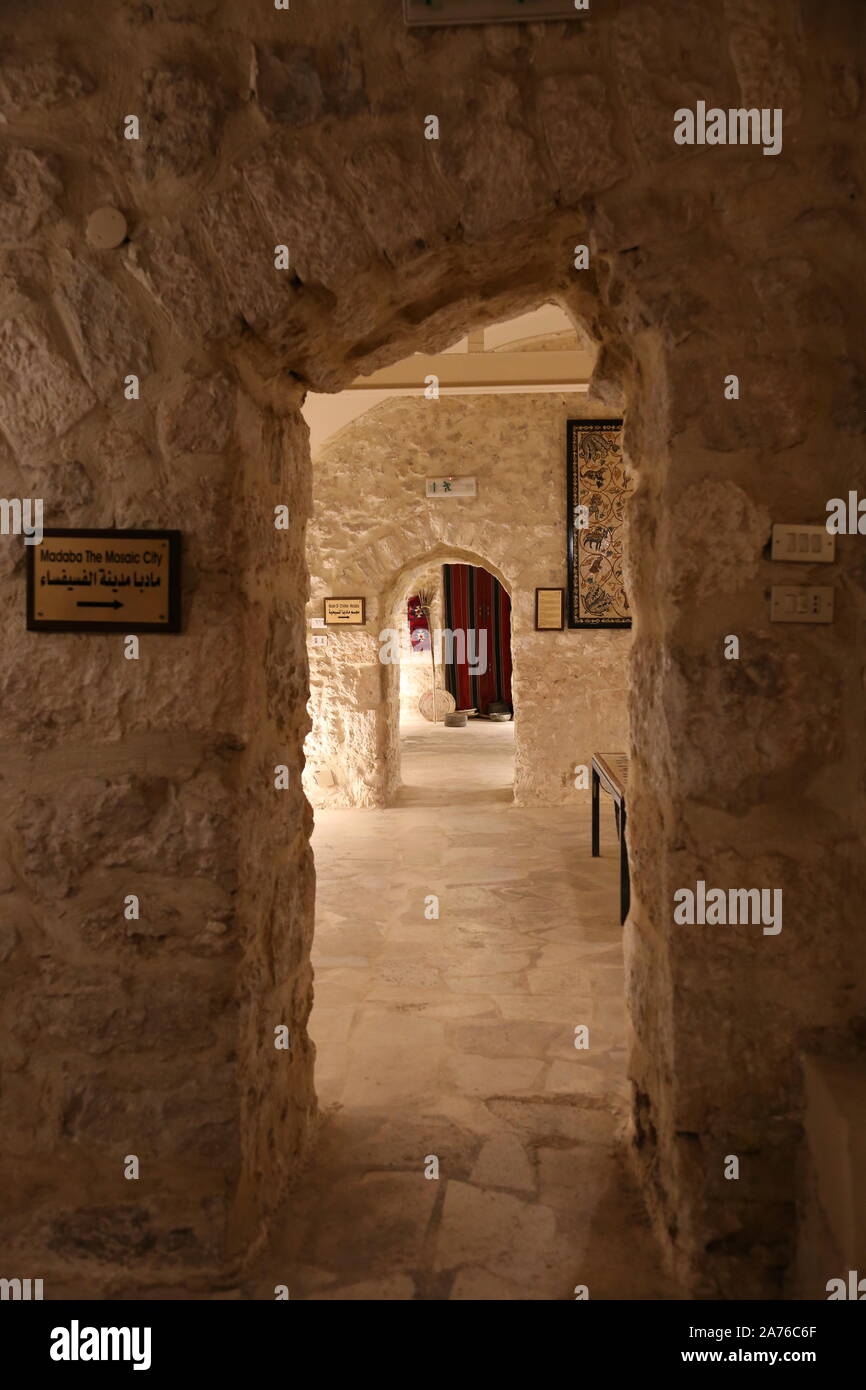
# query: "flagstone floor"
452,1039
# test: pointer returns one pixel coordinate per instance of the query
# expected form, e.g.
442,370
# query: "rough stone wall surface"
305,128
371,521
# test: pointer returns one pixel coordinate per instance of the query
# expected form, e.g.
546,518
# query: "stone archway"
394,607
158,779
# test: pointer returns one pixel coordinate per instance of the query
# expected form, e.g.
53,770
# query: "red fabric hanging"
419,635
475,601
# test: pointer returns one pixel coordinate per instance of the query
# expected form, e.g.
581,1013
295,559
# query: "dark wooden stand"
610,771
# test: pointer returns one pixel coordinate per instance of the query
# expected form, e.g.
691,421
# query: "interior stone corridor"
454,1038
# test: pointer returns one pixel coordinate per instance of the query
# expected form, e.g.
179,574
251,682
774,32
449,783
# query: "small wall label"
345,612
549,610
451,487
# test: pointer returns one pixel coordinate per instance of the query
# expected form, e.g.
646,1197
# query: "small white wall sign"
451,487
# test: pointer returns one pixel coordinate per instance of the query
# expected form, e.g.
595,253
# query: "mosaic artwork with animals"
597,488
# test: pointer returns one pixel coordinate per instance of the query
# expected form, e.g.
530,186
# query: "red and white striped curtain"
474,600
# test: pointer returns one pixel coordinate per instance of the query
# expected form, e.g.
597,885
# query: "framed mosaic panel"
597,487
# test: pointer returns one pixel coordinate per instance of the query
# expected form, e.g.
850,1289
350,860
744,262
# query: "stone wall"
371,521
304,128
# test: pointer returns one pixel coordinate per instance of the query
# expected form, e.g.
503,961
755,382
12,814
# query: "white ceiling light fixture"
432,12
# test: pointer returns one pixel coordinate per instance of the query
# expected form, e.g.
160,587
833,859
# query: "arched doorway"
458,656
440,1001
400,587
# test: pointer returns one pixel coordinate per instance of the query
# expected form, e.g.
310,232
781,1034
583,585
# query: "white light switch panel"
800,603
321,640
809,545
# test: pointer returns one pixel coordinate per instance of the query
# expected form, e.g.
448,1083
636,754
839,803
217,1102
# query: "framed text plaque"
81,579
345,612
549,610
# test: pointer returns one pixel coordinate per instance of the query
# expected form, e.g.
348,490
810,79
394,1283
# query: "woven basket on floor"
445,704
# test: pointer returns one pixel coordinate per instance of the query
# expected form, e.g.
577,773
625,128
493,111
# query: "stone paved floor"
455,1038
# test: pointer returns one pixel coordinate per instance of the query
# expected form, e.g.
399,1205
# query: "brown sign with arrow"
81,580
